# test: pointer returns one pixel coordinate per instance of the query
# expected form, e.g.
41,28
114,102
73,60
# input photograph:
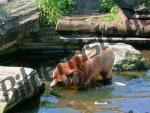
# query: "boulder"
18,18
17,84
127,58
130,63
123,51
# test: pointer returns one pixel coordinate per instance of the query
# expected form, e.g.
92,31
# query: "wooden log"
98,24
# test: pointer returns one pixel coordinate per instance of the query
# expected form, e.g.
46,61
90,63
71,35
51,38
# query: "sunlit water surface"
124,95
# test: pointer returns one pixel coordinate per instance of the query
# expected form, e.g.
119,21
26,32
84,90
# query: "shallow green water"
130,95
124,95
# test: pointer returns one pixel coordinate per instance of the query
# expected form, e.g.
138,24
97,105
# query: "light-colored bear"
99,66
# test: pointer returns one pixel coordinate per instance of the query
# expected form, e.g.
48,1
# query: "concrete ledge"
129,40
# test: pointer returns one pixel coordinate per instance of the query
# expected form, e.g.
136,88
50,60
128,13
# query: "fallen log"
99,24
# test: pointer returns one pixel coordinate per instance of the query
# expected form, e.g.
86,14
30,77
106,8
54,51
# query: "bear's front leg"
106,78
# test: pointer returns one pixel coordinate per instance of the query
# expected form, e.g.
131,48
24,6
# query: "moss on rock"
131,63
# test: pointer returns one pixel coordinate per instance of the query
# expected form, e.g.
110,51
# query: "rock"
127,58
18,18
131,62
123,51
16,85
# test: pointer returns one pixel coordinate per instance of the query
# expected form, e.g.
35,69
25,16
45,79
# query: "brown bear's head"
63,70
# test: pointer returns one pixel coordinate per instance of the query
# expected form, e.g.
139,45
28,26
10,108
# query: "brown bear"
99,66
63,70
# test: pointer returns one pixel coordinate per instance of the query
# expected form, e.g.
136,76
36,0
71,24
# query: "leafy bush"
106,5
114,10
110,7
131,63
54,9
112,15
47,104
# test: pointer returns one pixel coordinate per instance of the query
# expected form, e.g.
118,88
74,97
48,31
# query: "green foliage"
49,91
147,3
114,10
110,7
131,74
106,5
112,16
54,9
47,104
146,55
131,63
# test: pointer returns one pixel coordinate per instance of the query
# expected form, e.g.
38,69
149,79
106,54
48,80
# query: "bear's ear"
77,52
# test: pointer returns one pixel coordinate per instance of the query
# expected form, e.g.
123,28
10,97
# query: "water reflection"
134,97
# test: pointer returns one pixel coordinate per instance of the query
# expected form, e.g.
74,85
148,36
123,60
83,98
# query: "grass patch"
132,74
47,104
146,55
134,62
54,9
48,91
111,17
106,5
111,8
